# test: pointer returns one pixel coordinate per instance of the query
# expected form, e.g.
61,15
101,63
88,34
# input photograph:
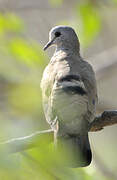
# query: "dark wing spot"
69,78
75,89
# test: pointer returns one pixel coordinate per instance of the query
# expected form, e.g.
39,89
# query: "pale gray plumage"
69,93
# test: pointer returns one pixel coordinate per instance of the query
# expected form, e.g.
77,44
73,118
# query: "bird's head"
63,37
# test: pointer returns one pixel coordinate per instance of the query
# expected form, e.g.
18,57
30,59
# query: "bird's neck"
67,50
63,53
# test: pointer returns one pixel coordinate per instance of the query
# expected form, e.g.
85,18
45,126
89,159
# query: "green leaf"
2,24
29,53
14,23
25,98
10,22
90,23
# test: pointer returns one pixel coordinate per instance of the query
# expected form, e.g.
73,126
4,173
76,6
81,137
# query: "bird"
69,94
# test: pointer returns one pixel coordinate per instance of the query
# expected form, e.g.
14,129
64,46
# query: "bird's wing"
88,78
69,101
68,97
46,88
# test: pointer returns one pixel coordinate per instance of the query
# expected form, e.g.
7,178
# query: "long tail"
79,150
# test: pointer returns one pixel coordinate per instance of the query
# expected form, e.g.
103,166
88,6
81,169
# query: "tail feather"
79,150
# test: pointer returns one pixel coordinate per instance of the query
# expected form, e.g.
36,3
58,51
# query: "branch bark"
107,118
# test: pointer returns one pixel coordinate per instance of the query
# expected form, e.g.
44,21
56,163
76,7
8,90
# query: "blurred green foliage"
29,53
9,22
87,22
90,22
115,1
21,65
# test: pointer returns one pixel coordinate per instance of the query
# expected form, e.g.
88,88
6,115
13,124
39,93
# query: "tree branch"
107,118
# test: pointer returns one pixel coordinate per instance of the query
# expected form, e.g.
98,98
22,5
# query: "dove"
69,94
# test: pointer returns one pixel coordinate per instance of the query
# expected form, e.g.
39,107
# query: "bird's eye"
57,34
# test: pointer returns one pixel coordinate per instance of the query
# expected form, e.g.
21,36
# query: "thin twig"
23,143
